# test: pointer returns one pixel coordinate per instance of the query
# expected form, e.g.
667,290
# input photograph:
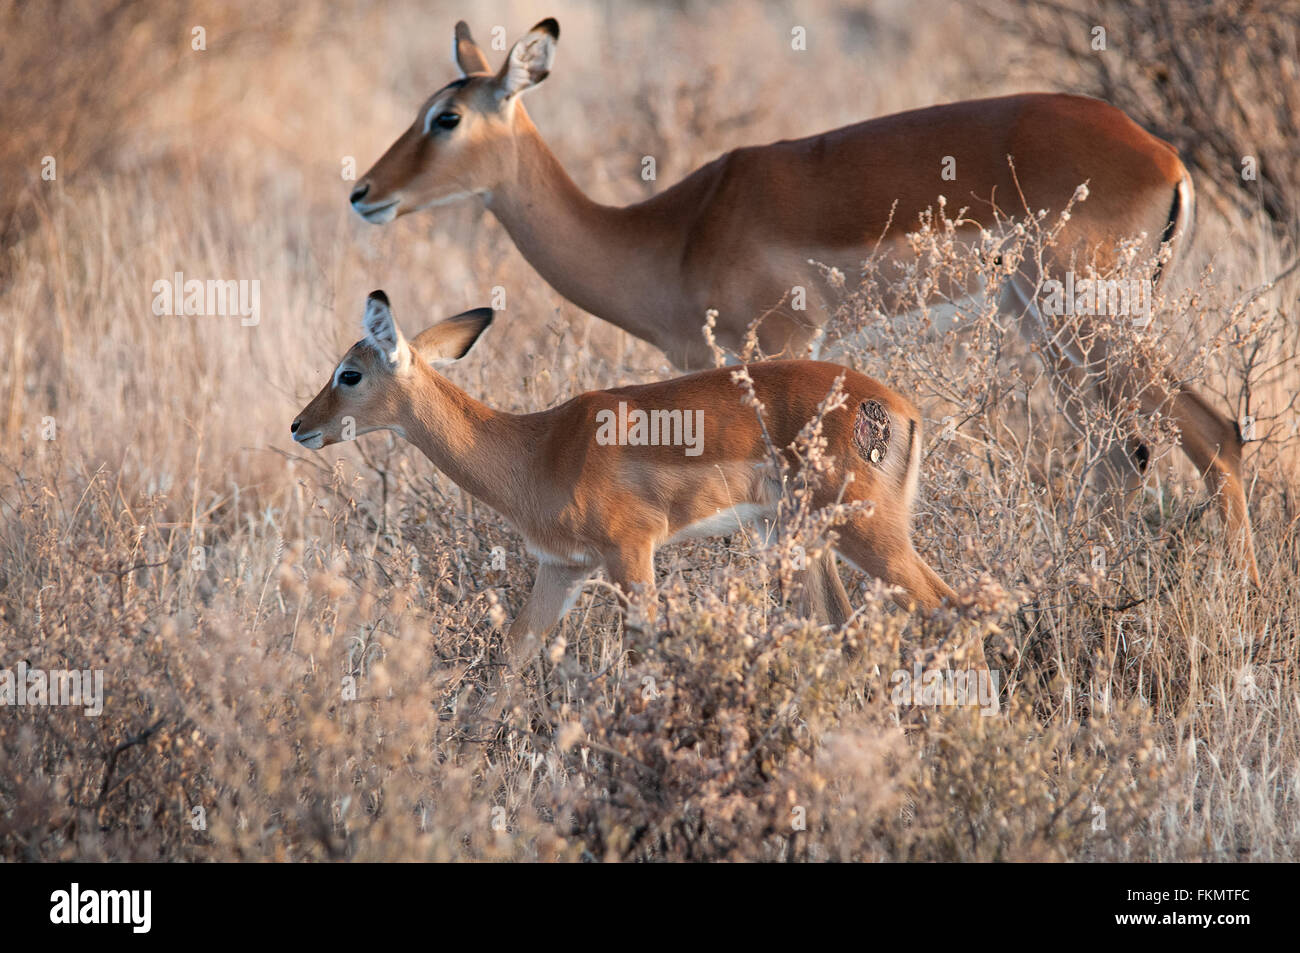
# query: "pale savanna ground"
228,582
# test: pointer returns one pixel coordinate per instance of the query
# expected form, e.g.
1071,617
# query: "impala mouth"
312,441
377,214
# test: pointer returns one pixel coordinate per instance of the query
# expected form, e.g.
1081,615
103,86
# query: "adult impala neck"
482,450
619,264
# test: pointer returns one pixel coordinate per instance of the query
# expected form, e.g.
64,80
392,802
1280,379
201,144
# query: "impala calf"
740,232
583,502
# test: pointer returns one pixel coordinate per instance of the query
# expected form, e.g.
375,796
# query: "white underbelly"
731,519
934,322
574,558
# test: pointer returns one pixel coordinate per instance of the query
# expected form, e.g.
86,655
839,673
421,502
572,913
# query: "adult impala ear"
469,58
452,339
530,60
382,332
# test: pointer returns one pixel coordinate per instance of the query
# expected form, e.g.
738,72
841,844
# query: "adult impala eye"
447,120
350,378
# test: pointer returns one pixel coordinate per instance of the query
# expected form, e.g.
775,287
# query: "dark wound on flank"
871,431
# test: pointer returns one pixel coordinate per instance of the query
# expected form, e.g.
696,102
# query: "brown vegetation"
236,591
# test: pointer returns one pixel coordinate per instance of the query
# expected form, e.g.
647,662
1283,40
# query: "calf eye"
350,378
447,120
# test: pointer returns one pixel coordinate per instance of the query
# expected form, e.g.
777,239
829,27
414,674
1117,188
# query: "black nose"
360,192
293,427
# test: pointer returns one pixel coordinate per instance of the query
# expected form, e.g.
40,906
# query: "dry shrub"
326,702
1020,452
1116,612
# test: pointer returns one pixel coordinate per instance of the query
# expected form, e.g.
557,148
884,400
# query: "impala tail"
1182,220
904,467
912,474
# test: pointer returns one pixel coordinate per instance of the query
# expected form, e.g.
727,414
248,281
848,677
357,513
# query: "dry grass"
235,590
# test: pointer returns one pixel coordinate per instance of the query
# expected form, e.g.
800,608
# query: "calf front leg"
554,592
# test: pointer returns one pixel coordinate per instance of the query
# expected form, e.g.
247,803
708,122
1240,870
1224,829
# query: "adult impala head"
461,141
375,384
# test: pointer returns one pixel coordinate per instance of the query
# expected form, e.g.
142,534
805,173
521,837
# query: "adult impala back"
738,234
587,490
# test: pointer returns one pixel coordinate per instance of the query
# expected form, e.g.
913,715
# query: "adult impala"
586,492
737,235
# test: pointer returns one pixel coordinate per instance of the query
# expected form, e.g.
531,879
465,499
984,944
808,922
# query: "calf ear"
382,331
530,60
452,339
469,58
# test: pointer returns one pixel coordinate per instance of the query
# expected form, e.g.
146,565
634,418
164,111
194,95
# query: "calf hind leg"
889,555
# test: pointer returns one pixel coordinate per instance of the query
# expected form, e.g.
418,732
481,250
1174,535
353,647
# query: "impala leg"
823,596
554,591
888,554
1210,440
1213,443
553,594
633,571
